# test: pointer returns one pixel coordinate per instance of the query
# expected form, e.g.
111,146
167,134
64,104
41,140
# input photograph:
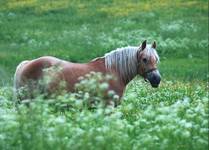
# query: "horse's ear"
154,45
144,44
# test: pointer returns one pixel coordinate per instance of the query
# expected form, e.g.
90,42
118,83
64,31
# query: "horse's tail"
17,78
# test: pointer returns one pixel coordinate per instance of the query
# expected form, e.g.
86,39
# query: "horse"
123,63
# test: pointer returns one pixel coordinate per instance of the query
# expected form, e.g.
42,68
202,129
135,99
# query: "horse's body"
70,72
123,68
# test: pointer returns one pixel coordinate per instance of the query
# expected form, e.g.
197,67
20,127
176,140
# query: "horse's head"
148,58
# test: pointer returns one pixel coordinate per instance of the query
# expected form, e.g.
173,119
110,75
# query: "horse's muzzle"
154,78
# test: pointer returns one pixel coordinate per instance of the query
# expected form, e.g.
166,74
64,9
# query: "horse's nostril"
156,79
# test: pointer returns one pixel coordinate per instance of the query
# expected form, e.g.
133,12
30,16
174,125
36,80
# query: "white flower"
60,119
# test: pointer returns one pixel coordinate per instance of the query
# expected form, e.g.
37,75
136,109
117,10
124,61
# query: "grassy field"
174,116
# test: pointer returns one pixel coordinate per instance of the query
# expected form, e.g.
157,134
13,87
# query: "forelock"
149,51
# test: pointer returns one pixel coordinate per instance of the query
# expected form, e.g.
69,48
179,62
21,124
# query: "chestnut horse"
123,63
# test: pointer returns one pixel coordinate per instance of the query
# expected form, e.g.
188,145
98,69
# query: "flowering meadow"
173,116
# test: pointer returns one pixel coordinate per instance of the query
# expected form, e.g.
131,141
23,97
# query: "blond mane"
124,60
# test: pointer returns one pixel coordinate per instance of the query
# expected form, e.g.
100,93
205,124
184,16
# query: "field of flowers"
173,116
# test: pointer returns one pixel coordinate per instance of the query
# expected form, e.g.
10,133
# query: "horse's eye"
144,60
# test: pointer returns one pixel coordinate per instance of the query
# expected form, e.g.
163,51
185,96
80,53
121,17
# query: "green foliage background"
171,117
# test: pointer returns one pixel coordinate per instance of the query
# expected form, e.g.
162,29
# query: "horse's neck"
127,80
99,65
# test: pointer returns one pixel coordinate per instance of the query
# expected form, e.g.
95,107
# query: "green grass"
80,31
174,116
171,117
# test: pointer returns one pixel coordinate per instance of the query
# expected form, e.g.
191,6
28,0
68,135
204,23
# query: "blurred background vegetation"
80,30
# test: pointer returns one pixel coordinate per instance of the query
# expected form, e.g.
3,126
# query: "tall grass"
171,117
